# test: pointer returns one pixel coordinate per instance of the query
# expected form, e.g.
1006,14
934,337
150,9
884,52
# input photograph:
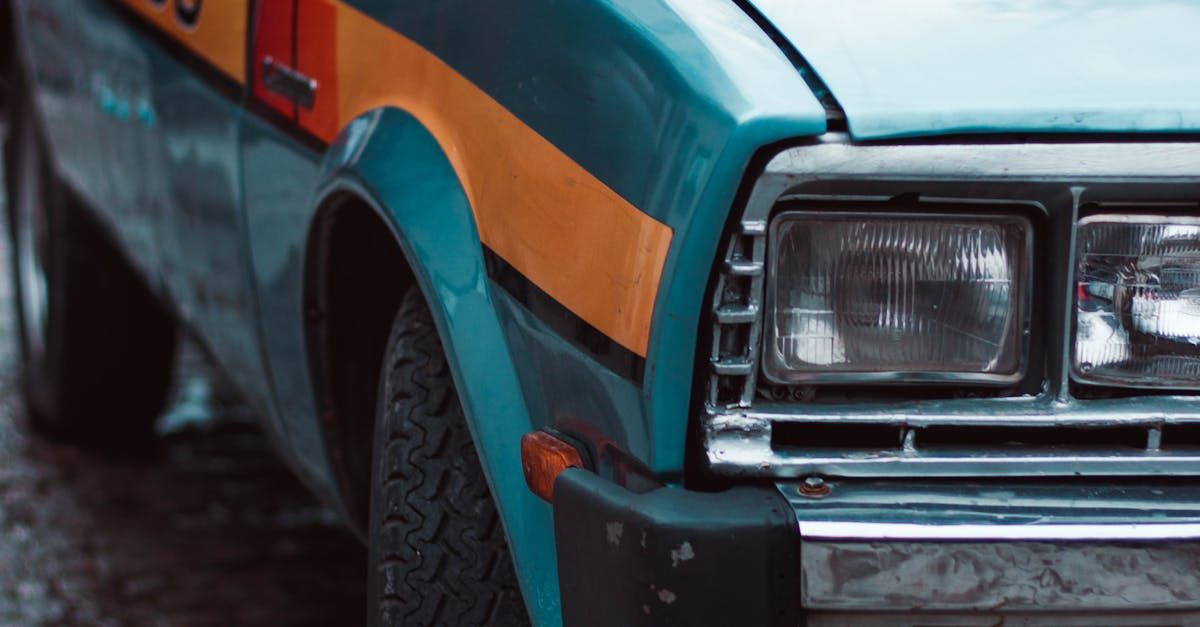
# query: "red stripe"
316,32
273,37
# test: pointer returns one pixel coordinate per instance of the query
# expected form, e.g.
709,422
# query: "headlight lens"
1137,311
861,297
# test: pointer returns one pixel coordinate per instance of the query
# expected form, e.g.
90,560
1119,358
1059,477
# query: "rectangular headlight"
871,297
1137,310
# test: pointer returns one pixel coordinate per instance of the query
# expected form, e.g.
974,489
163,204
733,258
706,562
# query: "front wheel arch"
354,280
389,161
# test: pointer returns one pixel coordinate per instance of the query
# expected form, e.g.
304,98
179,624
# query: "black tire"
437,550
100,373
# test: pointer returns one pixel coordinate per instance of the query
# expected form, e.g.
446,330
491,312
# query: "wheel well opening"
355,279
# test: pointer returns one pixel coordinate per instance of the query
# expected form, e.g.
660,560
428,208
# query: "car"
648,311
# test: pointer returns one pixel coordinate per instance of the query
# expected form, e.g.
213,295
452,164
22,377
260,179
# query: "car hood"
927,67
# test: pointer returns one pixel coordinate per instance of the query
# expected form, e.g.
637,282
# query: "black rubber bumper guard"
674,557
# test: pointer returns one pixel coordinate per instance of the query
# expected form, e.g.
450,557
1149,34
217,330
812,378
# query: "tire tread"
439,551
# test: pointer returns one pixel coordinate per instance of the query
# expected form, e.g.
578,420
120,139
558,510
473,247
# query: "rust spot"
814,487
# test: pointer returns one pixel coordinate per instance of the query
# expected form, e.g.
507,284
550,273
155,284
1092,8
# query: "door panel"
143,103
60,67
197,94
132,190
94,93
195,54
281,171
280,175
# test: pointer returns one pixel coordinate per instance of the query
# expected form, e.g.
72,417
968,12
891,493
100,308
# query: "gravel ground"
207,529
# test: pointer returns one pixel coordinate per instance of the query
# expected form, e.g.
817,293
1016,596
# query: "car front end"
947,379
940,358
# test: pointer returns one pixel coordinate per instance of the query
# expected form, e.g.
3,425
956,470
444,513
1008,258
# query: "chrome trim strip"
762,462
833,155
1012,411
1080,618
886,531
1116,218
1000,577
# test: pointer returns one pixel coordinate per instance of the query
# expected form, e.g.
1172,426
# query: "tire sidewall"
37,371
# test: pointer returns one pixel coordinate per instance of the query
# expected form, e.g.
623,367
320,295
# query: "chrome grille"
737,318
883,431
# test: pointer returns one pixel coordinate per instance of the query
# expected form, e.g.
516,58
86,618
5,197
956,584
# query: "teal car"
615,312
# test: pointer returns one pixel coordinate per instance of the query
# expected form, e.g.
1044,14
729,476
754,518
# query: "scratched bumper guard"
764,554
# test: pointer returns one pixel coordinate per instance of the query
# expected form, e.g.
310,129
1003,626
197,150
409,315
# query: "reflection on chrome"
1138,301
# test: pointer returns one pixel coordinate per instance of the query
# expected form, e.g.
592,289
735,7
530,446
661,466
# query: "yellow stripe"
219,36
569,233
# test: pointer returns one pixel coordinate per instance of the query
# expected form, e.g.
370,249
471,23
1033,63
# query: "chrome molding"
1000,575
1082,618
833,155
988,547
738,425
878,531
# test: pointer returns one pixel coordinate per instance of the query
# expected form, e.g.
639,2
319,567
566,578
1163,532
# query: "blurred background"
205,528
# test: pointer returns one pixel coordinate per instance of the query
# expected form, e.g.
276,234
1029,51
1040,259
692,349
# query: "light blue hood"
925,67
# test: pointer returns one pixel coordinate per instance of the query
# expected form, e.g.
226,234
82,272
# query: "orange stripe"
547,216
219,35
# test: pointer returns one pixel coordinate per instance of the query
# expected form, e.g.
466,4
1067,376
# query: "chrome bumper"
885,553
982,549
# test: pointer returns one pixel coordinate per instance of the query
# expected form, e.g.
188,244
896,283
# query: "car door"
124,139
92,77
60,68
197,76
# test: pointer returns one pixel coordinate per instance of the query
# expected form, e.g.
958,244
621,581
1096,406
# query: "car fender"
390,160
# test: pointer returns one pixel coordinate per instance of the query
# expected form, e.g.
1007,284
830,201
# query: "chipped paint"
666,596
682,554
614,530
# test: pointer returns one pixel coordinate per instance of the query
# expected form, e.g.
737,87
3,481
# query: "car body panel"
160,165
278,212
429,211
594,163
559,176
54,56
770,103
940,67
552,220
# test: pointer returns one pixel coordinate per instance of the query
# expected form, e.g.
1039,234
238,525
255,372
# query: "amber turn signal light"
543,456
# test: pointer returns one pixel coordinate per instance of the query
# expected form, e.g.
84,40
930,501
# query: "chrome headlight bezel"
1017,335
